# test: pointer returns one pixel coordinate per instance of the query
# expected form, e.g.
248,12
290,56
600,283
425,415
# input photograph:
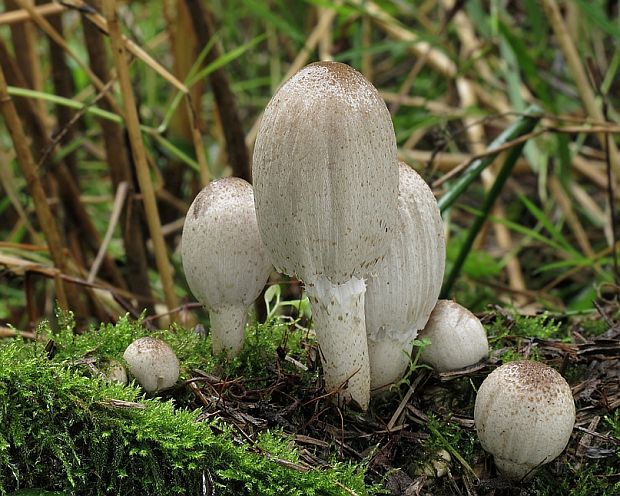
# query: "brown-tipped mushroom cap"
457,337
524,416
325,174
224,258
153,363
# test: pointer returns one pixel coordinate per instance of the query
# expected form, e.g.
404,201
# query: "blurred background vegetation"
454,75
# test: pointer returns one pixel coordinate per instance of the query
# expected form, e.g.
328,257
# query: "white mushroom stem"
228,328
338,313
389,360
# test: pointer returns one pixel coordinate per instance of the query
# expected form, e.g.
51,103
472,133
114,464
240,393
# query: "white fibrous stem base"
389,360
515,471
340,324
228,328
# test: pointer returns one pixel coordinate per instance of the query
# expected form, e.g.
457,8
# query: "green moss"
61,429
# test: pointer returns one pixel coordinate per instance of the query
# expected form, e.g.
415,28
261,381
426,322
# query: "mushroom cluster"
524,416
327,184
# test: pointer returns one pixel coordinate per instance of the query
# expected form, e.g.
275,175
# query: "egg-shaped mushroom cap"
224,259
457,336
524,416
325,174
404,287
153,363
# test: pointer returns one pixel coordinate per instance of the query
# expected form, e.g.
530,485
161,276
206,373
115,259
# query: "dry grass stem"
119,201
133,48
139,155
436,59
578,72
23,15
564,202
48,29
35,188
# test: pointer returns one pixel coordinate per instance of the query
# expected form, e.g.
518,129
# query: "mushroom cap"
224,258
404,287
115,372
325,175
153,363
457,336
524,416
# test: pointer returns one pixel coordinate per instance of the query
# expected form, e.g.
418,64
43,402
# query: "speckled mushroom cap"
325,174
457,336
524,416
153,363
224,258
405,285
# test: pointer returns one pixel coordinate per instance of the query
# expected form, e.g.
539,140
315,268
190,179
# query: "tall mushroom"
326,179
405,285
225,261
524,416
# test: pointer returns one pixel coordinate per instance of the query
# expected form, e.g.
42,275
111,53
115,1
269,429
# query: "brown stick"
139,154
24,38
234,135
44,215
132,223
20,15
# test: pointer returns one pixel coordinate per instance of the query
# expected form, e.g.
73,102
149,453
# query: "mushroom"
153,363
457,337
405,285
113,371
326,180
225,261
524,415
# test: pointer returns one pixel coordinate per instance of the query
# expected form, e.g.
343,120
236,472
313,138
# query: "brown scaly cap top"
325,175
534,380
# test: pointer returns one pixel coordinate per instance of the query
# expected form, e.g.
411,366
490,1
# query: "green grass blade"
528,124
522,126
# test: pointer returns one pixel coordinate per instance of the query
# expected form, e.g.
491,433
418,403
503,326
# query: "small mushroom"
225,261
153,363
524,416
457,337
113,371
405,285
437,467
326,178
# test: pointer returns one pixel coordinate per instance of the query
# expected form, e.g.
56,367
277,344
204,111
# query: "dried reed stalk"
578,72
234,135
139,154
20,15
64,180
35,188
118,160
